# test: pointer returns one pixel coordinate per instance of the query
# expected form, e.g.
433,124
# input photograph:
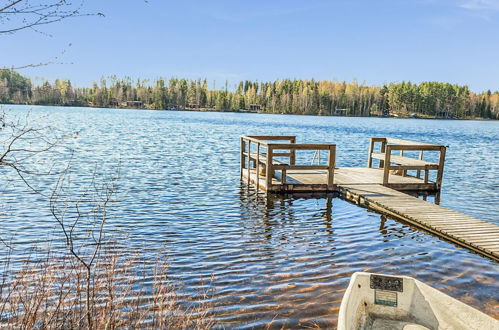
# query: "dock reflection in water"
309,247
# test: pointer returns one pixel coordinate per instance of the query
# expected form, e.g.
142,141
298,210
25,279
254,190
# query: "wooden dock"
382,188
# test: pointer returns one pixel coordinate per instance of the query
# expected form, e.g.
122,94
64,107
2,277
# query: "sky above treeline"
372,41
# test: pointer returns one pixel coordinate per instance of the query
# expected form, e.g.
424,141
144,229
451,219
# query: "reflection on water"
322,241
432,197
278,260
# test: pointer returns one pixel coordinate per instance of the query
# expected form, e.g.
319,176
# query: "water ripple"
277,262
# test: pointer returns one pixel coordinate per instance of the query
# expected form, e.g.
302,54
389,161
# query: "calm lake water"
284,261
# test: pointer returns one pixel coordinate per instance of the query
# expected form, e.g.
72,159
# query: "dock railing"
259,163
402,163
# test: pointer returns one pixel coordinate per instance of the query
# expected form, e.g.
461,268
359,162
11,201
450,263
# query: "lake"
284,261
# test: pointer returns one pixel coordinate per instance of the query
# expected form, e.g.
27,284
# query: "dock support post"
268,167
243,149
441,162
383,149
386,164
404,172
418,174
292,157
369,156
331,164
257,167
249,161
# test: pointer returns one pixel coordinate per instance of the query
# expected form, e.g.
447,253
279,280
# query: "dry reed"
124,292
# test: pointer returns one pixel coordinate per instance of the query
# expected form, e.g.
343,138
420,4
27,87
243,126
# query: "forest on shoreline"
308,97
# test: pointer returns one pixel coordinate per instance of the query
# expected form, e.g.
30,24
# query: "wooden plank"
270,137
300,167
264,138
296,146
478,230
407,147
402,160
408,142
451,226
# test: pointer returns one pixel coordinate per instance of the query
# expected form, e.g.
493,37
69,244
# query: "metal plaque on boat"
387,283
387,298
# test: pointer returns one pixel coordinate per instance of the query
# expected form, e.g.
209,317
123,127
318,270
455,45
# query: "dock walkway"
378,188
464,230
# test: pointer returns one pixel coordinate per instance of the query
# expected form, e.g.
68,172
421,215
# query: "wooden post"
249,160
283,176
243,149
437,198
441,162
331,164
420,158
386,164
426,173
383,149
257,166
268,167
369,156
292,157
404,172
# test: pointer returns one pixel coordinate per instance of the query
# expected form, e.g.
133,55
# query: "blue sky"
372,41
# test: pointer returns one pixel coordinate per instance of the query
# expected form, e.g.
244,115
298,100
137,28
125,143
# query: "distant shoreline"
249,112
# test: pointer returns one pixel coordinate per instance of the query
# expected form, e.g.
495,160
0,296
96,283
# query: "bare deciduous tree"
81,216
17,15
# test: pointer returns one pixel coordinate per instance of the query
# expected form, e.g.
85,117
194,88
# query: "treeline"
427,99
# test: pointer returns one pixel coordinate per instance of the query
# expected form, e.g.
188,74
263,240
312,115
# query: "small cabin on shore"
444,115
340,112
134,104
382,113
113,102
254,107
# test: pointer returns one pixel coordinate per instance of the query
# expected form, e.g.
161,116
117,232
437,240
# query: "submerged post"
249,160
257,166
243,149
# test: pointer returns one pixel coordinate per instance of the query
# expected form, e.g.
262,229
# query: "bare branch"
91,204
19,15
50,61
23,145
